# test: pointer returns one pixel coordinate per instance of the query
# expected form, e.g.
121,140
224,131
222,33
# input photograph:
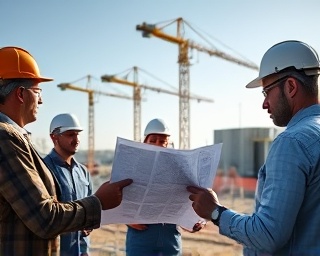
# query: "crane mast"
184,90
137,97
136,108
184,75
91,93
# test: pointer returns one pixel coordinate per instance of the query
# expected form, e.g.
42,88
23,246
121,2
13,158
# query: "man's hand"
205,200
138,226
198,226
85,232
110,194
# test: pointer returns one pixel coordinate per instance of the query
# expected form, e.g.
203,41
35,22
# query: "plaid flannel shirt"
31,218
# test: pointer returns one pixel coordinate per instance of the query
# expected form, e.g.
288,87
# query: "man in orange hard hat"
30,215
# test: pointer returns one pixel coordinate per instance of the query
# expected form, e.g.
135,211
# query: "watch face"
215,214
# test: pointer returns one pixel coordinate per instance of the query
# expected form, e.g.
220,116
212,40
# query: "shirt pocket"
82,187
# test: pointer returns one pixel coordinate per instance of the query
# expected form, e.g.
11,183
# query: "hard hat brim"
258,81
44,79
254,83
161,133
14,75
64,129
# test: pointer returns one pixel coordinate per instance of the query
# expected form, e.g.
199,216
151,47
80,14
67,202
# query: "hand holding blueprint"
160,176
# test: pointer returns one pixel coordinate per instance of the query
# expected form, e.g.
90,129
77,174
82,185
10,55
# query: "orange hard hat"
16,62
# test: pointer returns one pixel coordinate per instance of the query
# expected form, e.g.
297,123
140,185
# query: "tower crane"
137,97
183,60
91,93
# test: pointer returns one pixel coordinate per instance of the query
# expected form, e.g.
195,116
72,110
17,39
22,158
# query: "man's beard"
282,113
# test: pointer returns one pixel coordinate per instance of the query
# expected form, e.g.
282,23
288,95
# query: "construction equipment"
137,97
91,93
183,60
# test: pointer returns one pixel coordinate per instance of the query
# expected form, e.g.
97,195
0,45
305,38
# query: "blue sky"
73,39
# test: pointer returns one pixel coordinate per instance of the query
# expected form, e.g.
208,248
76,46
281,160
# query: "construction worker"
286,216
73,178
31,217
155,239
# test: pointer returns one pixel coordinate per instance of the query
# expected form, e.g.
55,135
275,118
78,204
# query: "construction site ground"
110,239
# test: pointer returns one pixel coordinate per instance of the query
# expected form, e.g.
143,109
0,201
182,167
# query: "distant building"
244,148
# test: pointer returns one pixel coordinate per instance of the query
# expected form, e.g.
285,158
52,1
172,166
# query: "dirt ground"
110,239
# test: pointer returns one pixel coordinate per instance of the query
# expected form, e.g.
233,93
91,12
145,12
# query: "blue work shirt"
286,220
74,182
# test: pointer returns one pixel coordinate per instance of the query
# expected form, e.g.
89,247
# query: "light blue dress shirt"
286,220
74,182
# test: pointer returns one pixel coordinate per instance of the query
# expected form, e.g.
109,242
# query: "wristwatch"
216,214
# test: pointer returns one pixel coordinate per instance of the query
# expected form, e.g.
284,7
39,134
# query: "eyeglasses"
273,85
35,90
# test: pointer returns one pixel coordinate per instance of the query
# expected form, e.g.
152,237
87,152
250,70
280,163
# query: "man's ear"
19,93
53,137
292,87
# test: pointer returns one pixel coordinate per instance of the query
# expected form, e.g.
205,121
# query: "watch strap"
221,209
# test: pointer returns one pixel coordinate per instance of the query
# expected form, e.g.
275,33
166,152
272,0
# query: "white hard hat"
156,126
284,55
65,122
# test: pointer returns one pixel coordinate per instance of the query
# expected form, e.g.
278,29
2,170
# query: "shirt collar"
5,119
312,110
58,158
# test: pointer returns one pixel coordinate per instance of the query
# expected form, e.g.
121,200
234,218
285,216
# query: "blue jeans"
157,240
